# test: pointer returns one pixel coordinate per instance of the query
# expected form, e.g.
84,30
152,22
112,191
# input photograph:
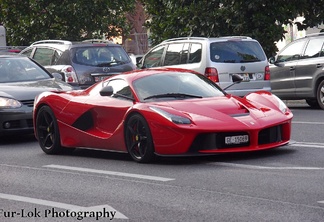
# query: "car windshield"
236,52
20,69
100,56
175,86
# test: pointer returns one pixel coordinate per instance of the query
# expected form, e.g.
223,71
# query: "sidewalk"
296,103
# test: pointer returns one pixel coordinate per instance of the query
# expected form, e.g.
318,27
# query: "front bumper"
16,122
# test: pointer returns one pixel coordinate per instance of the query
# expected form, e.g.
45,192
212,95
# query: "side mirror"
237,78
272,60
107,91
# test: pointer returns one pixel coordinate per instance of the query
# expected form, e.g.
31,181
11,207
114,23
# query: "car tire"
312,103
47,131
320,94
138,139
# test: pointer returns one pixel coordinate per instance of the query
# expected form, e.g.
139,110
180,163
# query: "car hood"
28,90
225,111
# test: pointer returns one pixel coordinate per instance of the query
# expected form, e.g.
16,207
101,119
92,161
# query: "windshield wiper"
103,64
115,62
250,60
230,61
175,95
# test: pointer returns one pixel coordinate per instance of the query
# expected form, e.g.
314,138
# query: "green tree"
259,19
32,20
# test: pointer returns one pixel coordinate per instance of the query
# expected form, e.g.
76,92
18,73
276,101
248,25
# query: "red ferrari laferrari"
160,112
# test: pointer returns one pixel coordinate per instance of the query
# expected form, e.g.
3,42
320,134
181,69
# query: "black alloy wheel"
47,131
138,139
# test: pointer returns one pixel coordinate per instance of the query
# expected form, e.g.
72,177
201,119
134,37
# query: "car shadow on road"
99,154
17,139
226,157
184,160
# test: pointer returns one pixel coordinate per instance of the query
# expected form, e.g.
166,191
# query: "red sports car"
160,112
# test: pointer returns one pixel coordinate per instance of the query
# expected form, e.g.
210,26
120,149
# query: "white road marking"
302,122
306,144
62,205
321,202
139,176
245,166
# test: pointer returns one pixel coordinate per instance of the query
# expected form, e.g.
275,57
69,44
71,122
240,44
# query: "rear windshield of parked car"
236,52
100,56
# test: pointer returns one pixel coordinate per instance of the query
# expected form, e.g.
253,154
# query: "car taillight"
69,74
212,74
267,73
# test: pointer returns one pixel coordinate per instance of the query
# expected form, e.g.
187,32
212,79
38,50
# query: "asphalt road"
283,184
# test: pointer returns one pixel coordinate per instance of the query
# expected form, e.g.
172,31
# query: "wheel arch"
35,113
149,153
128,116
319,79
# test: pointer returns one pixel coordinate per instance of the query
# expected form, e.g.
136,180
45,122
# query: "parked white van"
217,58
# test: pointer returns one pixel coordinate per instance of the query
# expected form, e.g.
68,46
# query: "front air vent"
270,135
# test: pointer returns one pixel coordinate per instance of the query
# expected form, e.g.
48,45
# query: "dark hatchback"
21,79
81,64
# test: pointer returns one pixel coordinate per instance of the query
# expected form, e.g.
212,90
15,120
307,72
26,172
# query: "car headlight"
171,117
282,106
9,103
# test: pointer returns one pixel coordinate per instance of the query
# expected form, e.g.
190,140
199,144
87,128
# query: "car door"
283,71
110,110
308,67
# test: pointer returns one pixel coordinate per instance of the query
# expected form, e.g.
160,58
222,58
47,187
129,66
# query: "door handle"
292,68
319,66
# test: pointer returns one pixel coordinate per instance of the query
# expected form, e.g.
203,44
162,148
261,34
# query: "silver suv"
297,71
81,64
217,58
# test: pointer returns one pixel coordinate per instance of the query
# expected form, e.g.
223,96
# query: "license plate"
246,77
236,139
99,78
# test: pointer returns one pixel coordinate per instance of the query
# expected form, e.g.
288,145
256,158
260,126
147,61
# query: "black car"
81,64
21,79
297,71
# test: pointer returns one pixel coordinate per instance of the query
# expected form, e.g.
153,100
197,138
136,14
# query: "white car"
217,58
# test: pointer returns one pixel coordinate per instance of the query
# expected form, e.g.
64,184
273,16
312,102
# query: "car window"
154,58
292,52
236,52
121,88
195,53
172,55
28,52
100,56
44,56
56,56
314,48
20,69
184,53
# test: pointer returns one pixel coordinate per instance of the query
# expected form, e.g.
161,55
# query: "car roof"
315,34
69,43
210,39
65,44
